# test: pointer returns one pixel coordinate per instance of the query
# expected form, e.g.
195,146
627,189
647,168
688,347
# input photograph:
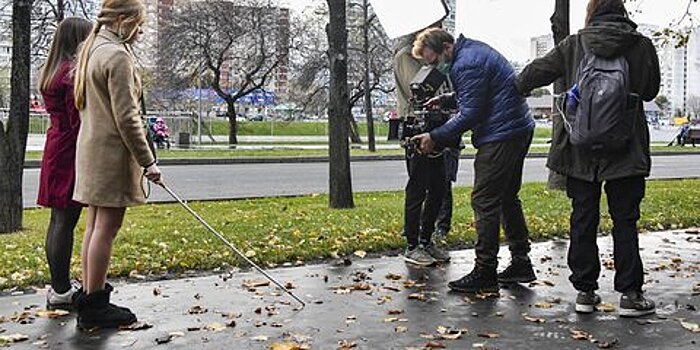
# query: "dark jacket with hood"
608,35
485,95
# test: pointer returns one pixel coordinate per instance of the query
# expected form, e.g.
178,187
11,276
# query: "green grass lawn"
280,128
162,238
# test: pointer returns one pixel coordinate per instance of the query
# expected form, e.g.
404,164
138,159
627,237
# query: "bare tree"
693,105
312,75
47,14
13,138
340,181
241,45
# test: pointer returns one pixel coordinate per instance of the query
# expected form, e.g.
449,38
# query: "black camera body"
424,86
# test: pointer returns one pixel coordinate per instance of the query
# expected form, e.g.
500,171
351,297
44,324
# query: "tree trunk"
368,93
560,30
353,129
60,11
232,123
340,183
13,141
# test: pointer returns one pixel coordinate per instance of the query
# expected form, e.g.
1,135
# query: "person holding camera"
427,190
603,139
502,130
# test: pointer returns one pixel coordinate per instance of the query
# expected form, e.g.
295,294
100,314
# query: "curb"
35,164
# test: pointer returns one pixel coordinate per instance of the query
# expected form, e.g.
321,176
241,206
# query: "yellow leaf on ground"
51,313
360,254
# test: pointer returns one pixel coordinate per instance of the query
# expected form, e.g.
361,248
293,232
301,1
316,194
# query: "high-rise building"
449,23
541,45
680,69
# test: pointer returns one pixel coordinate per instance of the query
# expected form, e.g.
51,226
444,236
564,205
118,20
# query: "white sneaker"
62,301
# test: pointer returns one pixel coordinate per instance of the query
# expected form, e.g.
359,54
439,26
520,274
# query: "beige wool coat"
112,149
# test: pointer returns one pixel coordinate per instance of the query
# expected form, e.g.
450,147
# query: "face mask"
444,67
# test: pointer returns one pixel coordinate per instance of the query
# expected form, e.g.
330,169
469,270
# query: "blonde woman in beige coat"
112,152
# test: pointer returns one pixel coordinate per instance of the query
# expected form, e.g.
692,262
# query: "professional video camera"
424,86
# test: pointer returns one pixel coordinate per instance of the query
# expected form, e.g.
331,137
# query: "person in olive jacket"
609,33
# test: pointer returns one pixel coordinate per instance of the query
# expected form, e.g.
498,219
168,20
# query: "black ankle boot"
480,280
519,271
95,311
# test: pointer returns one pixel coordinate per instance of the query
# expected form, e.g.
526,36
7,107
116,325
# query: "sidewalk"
380,303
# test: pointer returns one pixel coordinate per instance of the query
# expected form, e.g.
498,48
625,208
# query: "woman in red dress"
58,163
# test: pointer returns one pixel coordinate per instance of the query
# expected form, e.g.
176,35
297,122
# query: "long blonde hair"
132,12
69,34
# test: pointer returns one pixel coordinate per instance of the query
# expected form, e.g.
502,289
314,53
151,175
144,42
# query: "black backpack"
602,120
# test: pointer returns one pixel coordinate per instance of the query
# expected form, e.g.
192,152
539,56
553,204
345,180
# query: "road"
200,182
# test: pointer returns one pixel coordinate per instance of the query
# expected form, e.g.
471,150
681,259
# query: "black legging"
59,246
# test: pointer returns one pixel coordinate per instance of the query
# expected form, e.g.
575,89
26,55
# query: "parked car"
256,118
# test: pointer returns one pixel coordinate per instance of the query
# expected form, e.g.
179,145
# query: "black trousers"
444,219
498,171
624,198
424,195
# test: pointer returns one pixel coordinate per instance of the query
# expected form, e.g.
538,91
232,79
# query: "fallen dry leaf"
393,276
449,333
391,319
541,283
288,346
543,305
136,326
534,319
400,329
489,335
693,327
605,307
197,310
395,312
579,335
417,296
24,317
346,344
156,291
13,338
250,254
252,284
360,254
51,313
215,327
392,288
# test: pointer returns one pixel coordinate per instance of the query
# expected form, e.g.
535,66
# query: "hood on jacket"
610,35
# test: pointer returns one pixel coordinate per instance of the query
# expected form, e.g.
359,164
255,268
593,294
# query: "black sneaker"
519,271
479,281
586,302
95,311
440,255
634,304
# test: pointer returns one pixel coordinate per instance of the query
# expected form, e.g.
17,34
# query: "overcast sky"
508,25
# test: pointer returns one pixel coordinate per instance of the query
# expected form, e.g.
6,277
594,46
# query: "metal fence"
177,121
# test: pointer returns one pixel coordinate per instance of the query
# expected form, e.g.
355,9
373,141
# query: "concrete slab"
351,305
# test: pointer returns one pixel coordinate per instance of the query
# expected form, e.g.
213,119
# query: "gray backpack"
601,121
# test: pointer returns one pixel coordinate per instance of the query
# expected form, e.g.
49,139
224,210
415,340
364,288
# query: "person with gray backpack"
602,141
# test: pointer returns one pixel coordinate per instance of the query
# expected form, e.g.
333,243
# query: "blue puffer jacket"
486,96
